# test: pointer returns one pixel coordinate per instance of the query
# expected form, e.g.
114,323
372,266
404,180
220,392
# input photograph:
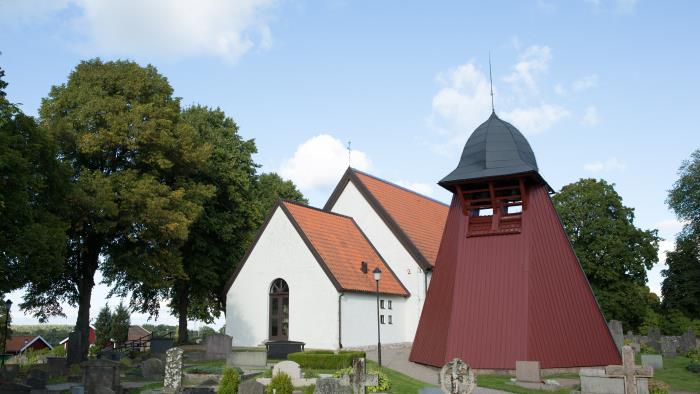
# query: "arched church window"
279,310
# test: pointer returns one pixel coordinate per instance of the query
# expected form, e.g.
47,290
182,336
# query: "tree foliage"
103,327
119,327
681,285
613,252
271,187
32,185
116,126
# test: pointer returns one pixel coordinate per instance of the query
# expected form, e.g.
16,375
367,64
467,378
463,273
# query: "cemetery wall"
359,320
353,204
313,315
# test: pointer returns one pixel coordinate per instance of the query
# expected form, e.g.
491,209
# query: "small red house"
18,344
91,339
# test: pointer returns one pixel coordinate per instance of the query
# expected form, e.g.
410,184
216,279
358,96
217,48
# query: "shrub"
694,354
646,349
309,389
694,366
657,387
325,360
383,379
125,361
58,351
229,382
280,384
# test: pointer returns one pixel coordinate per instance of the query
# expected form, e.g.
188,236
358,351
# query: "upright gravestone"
528,371
615,327
654,339
252,386
687,341
359,380
217,346
457,377
37,378
669,346
629,371
101,376
56,366
74,354
152,369
172,383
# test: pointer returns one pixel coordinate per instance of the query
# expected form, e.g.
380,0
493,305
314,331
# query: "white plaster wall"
313,300
352,203
359,320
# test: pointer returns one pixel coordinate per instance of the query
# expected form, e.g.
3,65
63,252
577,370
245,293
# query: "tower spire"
493,110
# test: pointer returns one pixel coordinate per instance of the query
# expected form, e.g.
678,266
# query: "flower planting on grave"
383,380
281,383
229,382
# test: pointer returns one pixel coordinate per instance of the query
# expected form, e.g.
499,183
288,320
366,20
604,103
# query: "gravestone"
457,377
74,355
291,368
653,360
9,372
687,341
628,371
101,376
331,386
15,388
160,345
669,346
252,386
615,327
56,366
37,378
528,371
217,346
654,339
172,383
359,380
198,390
152,369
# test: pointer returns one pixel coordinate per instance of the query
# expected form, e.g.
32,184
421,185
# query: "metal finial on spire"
491,81
349,154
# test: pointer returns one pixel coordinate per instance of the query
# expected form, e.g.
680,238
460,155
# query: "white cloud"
422,188
590,116
534,120
670,227
585,83
227,29
320,162
609,165
533,62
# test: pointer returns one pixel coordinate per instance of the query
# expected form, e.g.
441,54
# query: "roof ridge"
321,210
398,186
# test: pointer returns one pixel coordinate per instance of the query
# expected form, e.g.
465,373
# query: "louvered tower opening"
493,207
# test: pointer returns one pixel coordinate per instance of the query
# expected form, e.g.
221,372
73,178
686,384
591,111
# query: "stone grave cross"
172,382
359,379
629,371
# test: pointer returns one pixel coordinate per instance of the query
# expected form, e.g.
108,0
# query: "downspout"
340,325
425,279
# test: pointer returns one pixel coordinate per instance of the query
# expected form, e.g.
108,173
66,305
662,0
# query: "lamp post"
377,275
8,305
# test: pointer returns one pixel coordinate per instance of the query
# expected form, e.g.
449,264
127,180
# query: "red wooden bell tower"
507,285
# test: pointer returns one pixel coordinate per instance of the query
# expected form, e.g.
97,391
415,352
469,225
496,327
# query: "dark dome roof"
495,148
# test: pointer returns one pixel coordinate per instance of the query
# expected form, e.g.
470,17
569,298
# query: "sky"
600,88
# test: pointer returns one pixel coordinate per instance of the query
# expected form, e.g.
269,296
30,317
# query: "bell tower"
507,285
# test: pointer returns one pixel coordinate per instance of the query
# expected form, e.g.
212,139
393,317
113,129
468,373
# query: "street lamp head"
377,273
8,304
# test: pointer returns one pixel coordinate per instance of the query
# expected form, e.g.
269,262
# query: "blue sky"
601,88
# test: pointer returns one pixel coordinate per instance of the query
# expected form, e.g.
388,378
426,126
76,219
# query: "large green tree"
271,187
116,125
120,323
681,286
32,186
103,327
613,251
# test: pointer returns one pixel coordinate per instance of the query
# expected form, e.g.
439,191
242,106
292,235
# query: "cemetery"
532,229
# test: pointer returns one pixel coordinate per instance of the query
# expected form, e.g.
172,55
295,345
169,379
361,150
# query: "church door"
279,310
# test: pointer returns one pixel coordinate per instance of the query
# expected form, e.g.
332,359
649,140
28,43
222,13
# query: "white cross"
629,371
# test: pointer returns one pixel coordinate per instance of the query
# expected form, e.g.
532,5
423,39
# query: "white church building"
308,275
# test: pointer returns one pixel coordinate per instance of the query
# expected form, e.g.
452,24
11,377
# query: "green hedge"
325,360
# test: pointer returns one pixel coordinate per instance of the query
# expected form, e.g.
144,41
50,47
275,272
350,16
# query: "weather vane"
349,154
491,81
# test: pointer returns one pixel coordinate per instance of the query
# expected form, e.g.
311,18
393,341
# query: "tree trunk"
182,306
87,282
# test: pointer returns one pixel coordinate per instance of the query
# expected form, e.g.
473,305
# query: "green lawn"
675,375
400,383
499,382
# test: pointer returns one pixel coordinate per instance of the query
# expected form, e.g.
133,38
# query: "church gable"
417,221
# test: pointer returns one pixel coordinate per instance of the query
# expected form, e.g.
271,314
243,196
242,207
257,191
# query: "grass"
675,375
500,382
400,383
151,386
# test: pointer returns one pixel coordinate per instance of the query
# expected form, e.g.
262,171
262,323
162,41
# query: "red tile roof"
342,247
137,332
421,218
16,343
